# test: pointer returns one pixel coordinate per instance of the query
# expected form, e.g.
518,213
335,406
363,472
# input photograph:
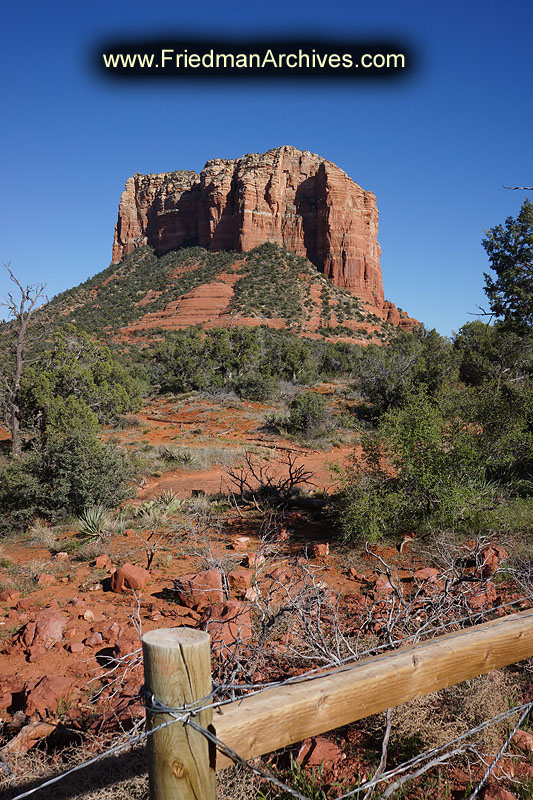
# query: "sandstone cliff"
288,196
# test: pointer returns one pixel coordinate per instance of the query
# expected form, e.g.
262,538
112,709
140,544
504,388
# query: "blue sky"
435,147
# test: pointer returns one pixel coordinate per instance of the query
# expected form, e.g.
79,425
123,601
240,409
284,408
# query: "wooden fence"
183,764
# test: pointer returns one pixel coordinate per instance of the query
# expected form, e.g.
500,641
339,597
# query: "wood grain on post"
284,715
177,671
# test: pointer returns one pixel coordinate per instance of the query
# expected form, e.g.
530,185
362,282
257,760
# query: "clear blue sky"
435,147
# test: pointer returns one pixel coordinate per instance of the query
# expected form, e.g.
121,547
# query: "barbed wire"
500,753
186,713
156,707
253,689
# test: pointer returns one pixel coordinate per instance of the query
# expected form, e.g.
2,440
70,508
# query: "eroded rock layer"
288,196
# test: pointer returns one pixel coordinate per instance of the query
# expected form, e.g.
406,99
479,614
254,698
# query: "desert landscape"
231,429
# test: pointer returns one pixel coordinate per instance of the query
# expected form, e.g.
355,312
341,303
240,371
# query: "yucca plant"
170,501
94,521
172,453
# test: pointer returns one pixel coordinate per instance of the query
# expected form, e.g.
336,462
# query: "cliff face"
288,196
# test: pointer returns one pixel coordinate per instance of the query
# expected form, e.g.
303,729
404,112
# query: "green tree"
72,387
510,251
387,374
75,383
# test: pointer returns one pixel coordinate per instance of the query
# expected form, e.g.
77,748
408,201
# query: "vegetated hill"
147,292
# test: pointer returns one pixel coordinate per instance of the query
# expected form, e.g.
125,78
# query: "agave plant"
154,512
172,453
94,521
170,501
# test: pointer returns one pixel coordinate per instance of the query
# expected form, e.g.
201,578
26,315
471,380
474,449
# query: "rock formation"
288,196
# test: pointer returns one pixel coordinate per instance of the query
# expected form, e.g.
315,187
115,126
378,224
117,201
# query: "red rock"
283,535
113,633
126,646
292,197
320,549
353,574
200,589
240,579
382,585
288,196
492,556
25,603
46,580
36,652
241,544
76,647
318,750
94,640
46,630
228,624
483,599
129,576
9,595
496,792
524,740
253,560
44,695
102,562
426,574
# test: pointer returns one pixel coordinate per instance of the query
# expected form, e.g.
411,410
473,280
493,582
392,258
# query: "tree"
75,383
510,251
21,310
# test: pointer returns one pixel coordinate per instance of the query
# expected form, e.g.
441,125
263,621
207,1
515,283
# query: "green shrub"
417,468
307,413
62,478
255,386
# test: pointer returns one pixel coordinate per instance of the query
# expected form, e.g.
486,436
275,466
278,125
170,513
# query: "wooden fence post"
177,671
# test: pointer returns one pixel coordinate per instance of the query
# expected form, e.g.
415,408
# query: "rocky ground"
72,607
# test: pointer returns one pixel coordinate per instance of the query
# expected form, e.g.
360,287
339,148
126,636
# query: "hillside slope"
147,292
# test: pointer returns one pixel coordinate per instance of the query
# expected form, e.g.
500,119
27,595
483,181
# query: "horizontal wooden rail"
287,714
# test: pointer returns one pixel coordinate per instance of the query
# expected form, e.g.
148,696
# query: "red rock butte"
292,197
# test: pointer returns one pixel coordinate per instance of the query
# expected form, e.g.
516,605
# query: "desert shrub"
307,416
417,468
177,455
74,378
307,413
256,386
411,361
249,361
60,479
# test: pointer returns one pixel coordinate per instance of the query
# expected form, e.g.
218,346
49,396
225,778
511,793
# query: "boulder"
240,580
426,574
44,695
46,580
492,556
524,740
228,624
320,549
129,576
46,630
9,595
199,589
